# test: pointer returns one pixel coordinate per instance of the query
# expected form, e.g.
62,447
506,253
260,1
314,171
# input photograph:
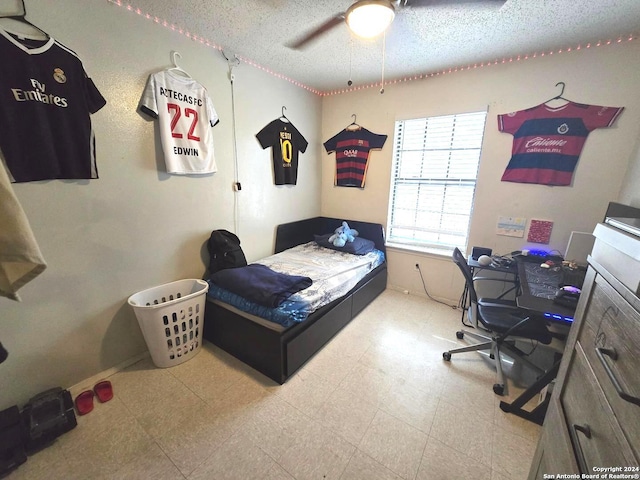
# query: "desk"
538,287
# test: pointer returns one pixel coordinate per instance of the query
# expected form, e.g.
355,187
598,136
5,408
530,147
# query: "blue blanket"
260,284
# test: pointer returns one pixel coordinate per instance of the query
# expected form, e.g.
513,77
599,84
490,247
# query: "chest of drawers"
592,426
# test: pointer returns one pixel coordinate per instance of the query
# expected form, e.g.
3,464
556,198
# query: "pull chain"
350,55
384,43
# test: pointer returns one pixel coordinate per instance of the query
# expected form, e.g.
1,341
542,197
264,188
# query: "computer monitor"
580,245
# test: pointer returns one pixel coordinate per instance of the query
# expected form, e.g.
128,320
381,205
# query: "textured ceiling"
419,41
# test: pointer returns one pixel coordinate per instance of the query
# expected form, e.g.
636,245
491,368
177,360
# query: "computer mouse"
567,296
570,289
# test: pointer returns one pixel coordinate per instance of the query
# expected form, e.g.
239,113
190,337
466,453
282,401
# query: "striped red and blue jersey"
547,141
352,149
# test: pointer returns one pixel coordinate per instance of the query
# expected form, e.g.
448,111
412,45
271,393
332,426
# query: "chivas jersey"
547,141
185,114
352,149
286,141
45,102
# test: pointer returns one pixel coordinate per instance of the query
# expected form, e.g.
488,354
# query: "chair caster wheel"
459,335
498,389
446,356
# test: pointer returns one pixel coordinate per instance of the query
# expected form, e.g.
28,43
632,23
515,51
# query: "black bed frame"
279,354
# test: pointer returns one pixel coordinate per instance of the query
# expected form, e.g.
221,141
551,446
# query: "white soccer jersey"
185,114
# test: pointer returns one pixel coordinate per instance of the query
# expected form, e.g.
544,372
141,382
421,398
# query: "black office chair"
503,322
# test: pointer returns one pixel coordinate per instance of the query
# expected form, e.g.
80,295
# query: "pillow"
359,246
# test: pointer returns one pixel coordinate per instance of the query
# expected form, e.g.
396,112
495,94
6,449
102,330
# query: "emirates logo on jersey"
38,94
562,129
59,76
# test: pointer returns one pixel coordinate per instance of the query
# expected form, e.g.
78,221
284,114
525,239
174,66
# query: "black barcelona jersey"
286,141
45,102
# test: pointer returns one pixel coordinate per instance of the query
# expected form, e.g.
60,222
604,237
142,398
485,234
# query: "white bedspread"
333,273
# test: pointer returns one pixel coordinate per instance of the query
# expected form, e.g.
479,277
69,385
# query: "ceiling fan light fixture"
369,18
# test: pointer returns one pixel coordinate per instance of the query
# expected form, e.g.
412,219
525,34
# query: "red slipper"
84,402
104,391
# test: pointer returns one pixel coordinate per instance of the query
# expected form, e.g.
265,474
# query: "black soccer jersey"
286,141
45,101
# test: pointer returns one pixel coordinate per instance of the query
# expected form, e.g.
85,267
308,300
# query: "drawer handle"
611,352
586,431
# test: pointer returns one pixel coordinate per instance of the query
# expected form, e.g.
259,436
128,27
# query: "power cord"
232,62
424,285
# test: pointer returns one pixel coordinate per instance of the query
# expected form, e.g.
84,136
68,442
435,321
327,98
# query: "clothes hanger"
176,67
22,19
559,97
353,125
283,116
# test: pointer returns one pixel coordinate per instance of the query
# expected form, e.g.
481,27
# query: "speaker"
484,260
477,252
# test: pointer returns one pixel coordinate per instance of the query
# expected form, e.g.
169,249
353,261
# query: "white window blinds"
435,166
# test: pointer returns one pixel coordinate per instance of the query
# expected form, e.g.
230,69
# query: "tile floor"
378,402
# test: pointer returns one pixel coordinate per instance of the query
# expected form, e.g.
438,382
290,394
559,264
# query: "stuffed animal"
342,235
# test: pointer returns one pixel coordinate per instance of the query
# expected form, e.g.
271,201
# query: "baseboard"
88,383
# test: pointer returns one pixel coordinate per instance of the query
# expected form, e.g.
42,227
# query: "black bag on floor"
224,251
47,416
12,437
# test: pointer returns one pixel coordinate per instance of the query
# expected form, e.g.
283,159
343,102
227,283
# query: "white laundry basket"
171,317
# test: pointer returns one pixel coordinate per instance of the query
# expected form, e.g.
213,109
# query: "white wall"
605,75
630,193
136,226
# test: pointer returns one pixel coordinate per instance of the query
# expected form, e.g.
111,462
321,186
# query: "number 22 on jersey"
175,110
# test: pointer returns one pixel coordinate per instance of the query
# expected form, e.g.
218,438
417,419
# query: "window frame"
438,248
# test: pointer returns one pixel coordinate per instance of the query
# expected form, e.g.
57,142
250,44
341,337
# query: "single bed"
277,351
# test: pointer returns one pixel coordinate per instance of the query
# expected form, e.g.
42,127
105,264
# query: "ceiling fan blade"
325,27
434,3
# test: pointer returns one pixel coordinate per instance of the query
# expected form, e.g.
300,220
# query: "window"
435,166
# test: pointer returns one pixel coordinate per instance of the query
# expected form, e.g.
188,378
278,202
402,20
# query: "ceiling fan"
369,18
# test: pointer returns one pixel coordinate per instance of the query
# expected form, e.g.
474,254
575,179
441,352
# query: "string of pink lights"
518,58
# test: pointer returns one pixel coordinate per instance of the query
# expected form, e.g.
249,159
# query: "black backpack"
224,251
